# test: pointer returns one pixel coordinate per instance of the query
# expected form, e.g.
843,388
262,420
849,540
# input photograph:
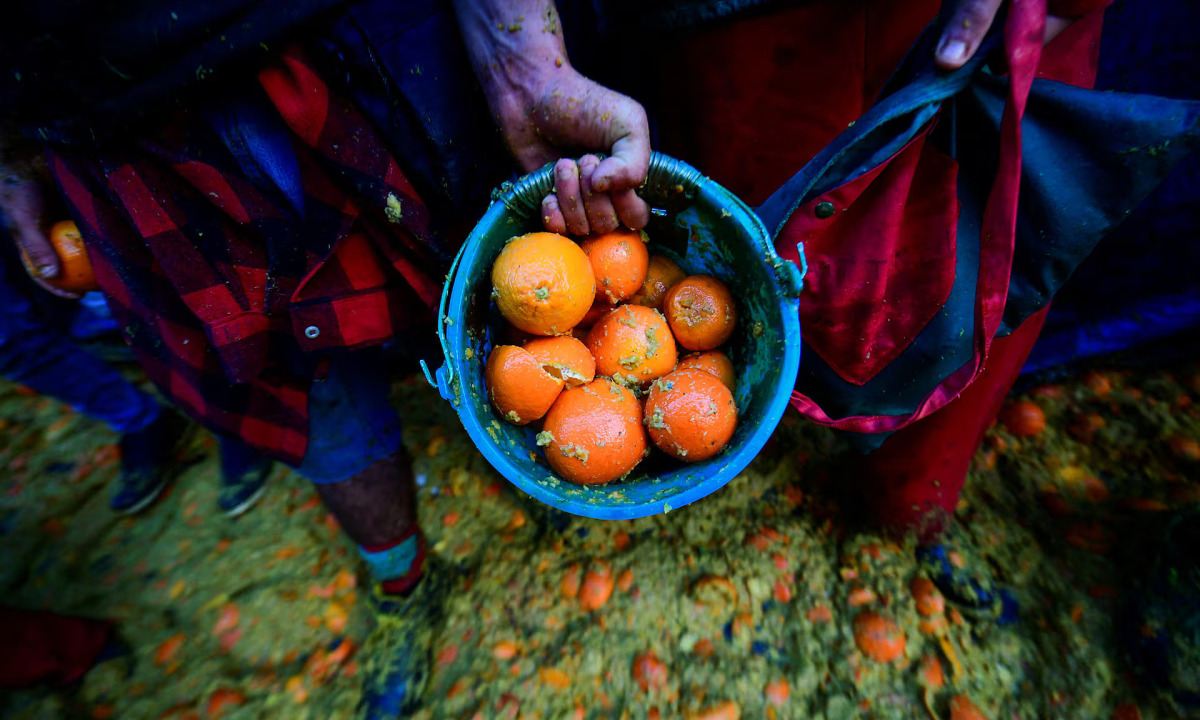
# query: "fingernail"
550,204
953,50
45,271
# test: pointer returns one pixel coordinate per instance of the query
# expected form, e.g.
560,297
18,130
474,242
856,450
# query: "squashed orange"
564,357
661,274
518,386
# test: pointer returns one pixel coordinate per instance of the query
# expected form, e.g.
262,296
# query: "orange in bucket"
593,433
701,312
713,362
690,415
619,262
632,343
518,386
661,274
543,283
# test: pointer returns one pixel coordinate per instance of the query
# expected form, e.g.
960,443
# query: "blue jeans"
351,420
36,354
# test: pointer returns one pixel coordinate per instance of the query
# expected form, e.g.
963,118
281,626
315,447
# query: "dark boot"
244,473
971,588
148,462
401,645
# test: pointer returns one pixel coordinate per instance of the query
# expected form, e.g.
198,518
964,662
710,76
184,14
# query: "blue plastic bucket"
704,228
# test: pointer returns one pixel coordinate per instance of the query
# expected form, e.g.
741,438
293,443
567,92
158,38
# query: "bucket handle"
665,177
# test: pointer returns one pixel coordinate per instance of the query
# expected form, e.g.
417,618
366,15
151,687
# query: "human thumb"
626,167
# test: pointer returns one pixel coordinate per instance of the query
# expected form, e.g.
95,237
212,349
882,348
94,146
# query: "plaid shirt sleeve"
220,286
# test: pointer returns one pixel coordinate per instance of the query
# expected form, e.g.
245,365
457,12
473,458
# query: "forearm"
18,173
515,46
21,165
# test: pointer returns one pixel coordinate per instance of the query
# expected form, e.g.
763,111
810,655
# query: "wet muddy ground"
746,599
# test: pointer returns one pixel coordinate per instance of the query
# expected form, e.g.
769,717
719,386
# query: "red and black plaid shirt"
226,290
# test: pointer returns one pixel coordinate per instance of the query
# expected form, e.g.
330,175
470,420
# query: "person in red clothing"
42,647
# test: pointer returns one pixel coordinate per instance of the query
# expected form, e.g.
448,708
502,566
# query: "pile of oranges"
597,327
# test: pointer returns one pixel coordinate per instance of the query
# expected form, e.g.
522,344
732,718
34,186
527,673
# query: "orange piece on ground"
593,434
448,655
345,580
878,637
633,343
931,673
227,620
169,648
223,700
619,262
336,617
295,687
519,387
782,592
649,672
1185,448
928,598
725,710
860,596
554,677
701,312
564,357
571,581
691,415
543,283
504,650
597,587
1023,418
777,692
713,362
961,708
661,274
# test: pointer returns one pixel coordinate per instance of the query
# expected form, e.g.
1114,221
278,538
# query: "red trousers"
913,480
750,102
37,647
